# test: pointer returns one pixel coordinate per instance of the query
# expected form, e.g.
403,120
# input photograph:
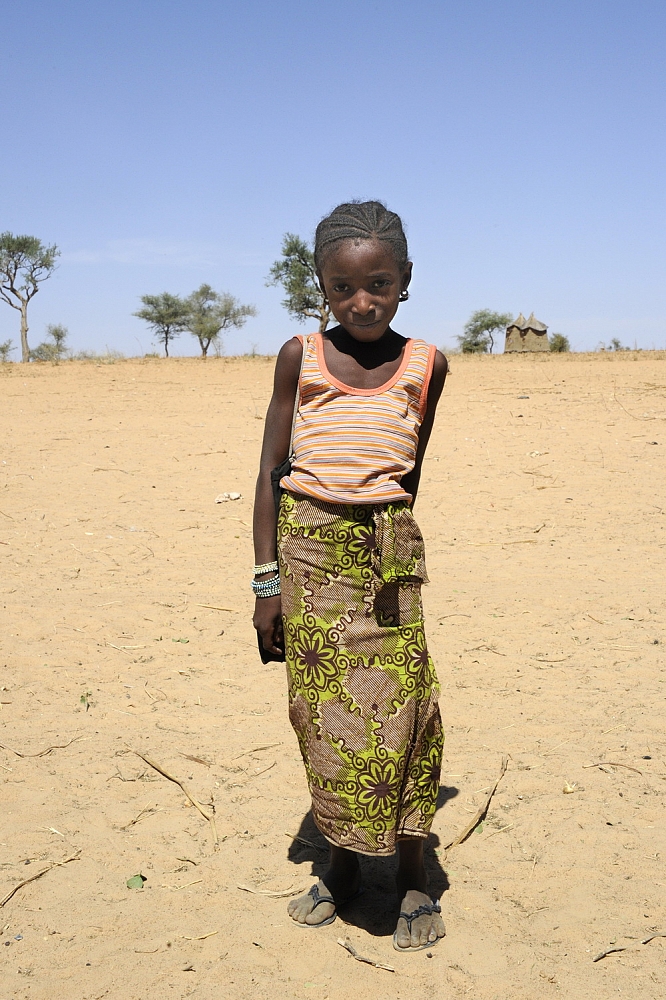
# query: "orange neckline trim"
350,389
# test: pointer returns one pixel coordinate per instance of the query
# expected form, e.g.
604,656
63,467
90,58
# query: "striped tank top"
355,445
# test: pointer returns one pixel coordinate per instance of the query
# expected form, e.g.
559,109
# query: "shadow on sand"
376,910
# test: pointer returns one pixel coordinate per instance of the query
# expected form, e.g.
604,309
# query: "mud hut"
526,335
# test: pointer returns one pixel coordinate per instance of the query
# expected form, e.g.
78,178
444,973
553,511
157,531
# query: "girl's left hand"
267,620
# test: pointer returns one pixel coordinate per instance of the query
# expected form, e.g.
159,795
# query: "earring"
404,295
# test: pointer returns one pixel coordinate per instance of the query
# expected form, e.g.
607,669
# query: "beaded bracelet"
267,588
265,568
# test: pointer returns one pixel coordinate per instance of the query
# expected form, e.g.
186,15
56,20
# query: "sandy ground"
126,624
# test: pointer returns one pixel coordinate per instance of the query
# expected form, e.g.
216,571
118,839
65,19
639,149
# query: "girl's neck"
371,355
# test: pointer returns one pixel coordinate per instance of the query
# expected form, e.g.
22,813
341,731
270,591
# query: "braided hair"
361,220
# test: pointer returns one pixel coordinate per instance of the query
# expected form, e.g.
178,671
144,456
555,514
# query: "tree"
297,274
166,315
5,350
24,263
614,345
209,313
56,350
478,336
559,343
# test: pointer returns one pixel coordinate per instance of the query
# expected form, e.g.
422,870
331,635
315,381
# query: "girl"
345,604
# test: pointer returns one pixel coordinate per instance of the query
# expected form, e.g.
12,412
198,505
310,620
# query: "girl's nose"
362,303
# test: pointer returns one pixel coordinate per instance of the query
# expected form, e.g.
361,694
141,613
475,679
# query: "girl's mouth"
367,326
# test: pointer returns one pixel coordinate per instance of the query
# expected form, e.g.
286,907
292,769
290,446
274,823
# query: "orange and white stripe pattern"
355,445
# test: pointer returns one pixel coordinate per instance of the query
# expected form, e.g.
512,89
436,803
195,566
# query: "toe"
403,938
323,912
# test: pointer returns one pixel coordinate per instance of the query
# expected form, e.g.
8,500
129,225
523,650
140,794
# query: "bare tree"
24,263
297,274
209,313
166,315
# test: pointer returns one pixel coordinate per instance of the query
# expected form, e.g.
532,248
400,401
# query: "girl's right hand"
267,620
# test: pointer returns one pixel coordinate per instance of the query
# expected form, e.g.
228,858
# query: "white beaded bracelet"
270,567
267,588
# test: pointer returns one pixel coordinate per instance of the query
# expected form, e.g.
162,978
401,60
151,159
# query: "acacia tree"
24,263
209,313
478,336
166,315
6,349
297,274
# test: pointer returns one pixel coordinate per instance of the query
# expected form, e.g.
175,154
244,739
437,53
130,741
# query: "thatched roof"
535,324
519,322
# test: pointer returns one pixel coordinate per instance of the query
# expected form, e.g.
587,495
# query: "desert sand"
126,626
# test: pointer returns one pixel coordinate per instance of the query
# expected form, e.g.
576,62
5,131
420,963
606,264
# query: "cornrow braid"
361,220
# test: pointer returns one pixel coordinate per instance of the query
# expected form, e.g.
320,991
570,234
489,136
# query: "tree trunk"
25,350
204,347
323,321
166,345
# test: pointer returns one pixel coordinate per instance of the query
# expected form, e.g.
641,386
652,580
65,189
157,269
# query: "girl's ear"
406,278
322,288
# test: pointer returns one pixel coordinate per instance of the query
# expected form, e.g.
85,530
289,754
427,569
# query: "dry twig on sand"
611,951
213,607
348,946
652,937
264,746
275,895
613,763
608,951
308,843
42,753
206,813
144,812
54,864
482,811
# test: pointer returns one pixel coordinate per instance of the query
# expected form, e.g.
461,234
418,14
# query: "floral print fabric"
362,687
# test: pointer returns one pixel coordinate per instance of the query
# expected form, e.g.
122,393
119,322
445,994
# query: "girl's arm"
277,429
440,369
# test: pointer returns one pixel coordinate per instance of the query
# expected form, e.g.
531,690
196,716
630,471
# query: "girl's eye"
340,288
381,283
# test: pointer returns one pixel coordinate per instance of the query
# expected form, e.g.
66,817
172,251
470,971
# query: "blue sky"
162,144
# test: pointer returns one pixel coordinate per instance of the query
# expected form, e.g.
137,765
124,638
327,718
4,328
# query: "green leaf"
136,881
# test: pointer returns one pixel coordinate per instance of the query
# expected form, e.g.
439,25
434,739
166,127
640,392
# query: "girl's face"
363,282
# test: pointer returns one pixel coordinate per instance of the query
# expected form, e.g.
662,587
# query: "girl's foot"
342,881
426,929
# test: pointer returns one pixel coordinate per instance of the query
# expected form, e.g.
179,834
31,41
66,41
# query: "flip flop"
318,898
425,908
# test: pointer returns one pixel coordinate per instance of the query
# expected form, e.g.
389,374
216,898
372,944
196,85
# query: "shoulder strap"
297,398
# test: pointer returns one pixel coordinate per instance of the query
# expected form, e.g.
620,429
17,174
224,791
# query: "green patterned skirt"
362,687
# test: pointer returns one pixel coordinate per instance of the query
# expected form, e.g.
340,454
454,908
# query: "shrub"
559,343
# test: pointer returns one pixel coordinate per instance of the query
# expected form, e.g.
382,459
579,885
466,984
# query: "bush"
5,350
108,358
559,343
614,345
55,350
